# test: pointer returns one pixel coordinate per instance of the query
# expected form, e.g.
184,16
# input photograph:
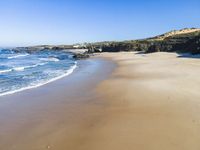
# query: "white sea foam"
21,68
5,71
39,64
18,68
17,56
50,59
68,72
31,66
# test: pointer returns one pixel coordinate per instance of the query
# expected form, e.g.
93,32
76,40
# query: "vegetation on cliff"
185,40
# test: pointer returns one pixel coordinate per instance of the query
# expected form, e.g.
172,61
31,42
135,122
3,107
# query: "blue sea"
21,71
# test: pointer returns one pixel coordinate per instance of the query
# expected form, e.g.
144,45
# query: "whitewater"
22,71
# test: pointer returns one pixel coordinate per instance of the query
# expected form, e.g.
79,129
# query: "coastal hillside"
176,33
185,40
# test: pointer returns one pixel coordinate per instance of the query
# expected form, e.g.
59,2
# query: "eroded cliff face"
185,40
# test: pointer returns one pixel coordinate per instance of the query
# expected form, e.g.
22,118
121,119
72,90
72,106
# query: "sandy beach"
154,103
58,115
113,101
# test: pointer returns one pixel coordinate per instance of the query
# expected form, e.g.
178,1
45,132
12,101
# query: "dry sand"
150,102
154,103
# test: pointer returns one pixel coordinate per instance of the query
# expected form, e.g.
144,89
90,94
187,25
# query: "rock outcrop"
185,40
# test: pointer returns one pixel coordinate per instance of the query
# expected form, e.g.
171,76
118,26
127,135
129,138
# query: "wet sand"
58,115
148,102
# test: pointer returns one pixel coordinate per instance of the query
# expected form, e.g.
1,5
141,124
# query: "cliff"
185,40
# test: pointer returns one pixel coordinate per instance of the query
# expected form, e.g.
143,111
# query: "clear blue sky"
32,22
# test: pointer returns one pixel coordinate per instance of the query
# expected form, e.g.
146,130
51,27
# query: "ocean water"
21,71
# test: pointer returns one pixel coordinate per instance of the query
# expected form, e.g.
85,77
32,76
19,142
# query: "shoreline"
91,63
45,116
115,101
69,71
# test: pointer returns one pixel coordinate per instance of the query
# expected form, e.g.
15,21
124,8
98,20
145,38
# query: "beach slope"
154,103
148,102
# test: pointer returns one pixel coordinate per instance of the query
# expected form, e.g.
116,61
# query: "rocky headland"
182,41
185,40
